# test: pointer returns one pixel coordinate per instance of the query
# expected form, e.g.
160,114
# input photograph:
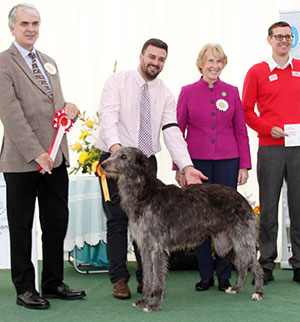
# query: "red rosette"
62,125
60,119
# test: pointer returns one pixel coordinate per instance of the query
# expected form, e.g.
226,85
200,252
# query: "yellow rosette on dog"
101,174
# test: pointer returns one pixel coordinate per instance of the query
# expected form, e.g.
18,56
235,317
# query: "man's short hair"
28,8
156,43
277,24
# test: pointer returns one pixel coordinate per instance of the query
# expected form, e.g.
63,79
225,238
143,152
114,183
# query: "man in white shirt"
119,124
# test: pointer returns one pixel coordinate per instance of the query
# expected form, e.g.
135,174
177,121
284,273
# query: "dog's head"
127,162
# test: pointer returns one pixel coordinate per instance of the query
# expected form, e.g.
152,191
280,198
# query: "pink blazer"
213,122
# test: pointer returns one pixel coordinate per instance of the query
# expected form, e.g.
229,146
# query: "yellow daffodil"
89,123
83,135
88,154
77,146
83,156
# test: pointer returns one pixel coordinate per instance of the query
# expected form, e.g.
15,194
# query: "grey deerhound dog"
164,218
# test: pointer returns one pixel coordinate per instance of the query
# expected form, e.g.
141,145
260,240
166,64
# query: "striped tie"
39,75
145,132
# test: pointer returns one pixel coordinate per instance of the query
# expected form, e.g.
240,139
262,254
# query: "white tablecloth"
87,221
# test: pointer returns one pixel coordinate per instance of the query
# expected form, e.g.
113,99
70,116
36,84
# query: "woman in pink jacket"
211,117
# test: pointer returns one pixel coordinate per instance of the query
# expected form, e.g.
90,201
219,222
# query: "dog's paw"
230,290
151,308
139,303
257,297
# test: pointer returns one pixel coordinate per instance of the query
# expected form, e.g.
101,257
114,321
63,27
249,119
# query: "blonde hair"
215,49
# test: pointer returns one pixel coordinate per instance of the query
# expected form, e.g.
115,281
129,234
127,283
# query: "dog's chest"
143,228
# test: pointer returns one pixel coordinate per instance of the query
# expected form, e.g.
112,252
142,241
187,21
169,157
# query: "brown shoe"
121,290
140,288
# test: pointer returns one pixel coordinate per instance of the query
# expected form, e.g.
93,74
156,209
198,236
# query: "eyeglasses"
279,37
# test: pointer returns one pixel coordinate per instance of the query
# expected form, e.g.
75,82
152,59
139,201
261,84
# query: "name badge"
295,74
273,77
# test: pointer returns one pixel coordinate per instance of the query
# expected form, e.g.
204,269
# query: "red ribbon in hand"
63,125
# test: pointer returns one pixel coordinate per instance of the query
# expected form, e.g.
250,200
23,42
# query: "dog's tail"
226,261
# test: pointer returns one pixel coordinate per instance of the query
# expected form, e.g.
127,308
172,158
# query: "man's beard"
148,74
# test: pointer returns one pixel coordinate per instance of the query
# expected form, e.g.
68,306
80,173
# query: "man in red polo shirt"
274,86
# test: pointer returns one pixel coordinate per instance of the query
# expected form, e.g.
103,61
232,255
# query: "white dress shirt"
119,115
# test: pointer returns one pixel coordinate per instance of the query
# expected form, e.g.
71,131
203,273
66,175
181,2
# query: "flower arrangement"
89,155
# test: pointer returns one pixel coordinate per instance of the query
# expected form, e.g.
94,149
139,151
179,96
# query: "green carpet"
181,302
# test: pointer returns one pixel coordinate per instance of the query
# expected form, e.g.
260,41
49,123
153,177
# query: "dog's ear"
140,158
143,163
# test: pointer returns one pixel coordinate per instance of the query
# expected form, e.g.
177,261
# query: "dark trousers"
52,193
224,172
274,163
117,232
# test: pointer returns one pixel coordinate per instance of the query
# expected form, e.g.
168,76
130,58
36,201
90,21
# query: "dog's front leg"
159,268
147,280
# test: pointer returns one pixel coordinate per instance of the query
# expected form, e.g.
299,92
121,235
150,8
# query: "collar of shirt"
272,63
203,82
140,80
24,53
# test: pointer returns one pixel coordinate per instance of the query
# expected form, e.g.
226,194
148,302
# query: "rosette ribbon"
62,124
101,174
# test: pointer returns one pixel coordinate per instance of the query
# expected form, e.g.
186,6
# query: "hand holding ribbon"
71,111
45,162
63,125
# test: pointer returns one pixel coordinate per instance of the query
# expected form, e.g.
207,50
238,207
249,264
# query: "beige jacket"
26,111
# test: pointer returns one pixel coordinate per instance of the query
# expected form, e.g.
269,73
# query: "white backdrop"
85,37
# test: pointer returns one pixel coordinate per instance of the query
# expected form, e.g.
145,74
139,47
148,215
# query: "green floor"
181,302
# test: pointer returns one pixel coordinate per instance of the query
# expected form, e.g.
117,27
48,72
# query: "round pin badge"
50,68
222,105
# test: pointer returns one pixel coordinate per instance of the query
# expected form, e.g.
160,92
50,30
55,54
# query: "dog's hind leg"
241,262
259,281
226,261
223,247
239,285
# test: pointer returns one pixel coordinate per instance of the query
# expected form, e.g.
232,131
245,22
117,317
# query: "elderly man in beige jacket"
30,94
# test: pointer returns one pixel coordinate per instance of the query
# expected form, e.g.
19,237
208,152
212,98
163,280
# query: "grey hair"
28,8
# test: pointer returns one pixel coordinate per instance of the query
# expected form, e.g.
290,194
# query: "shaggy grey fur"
164,218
